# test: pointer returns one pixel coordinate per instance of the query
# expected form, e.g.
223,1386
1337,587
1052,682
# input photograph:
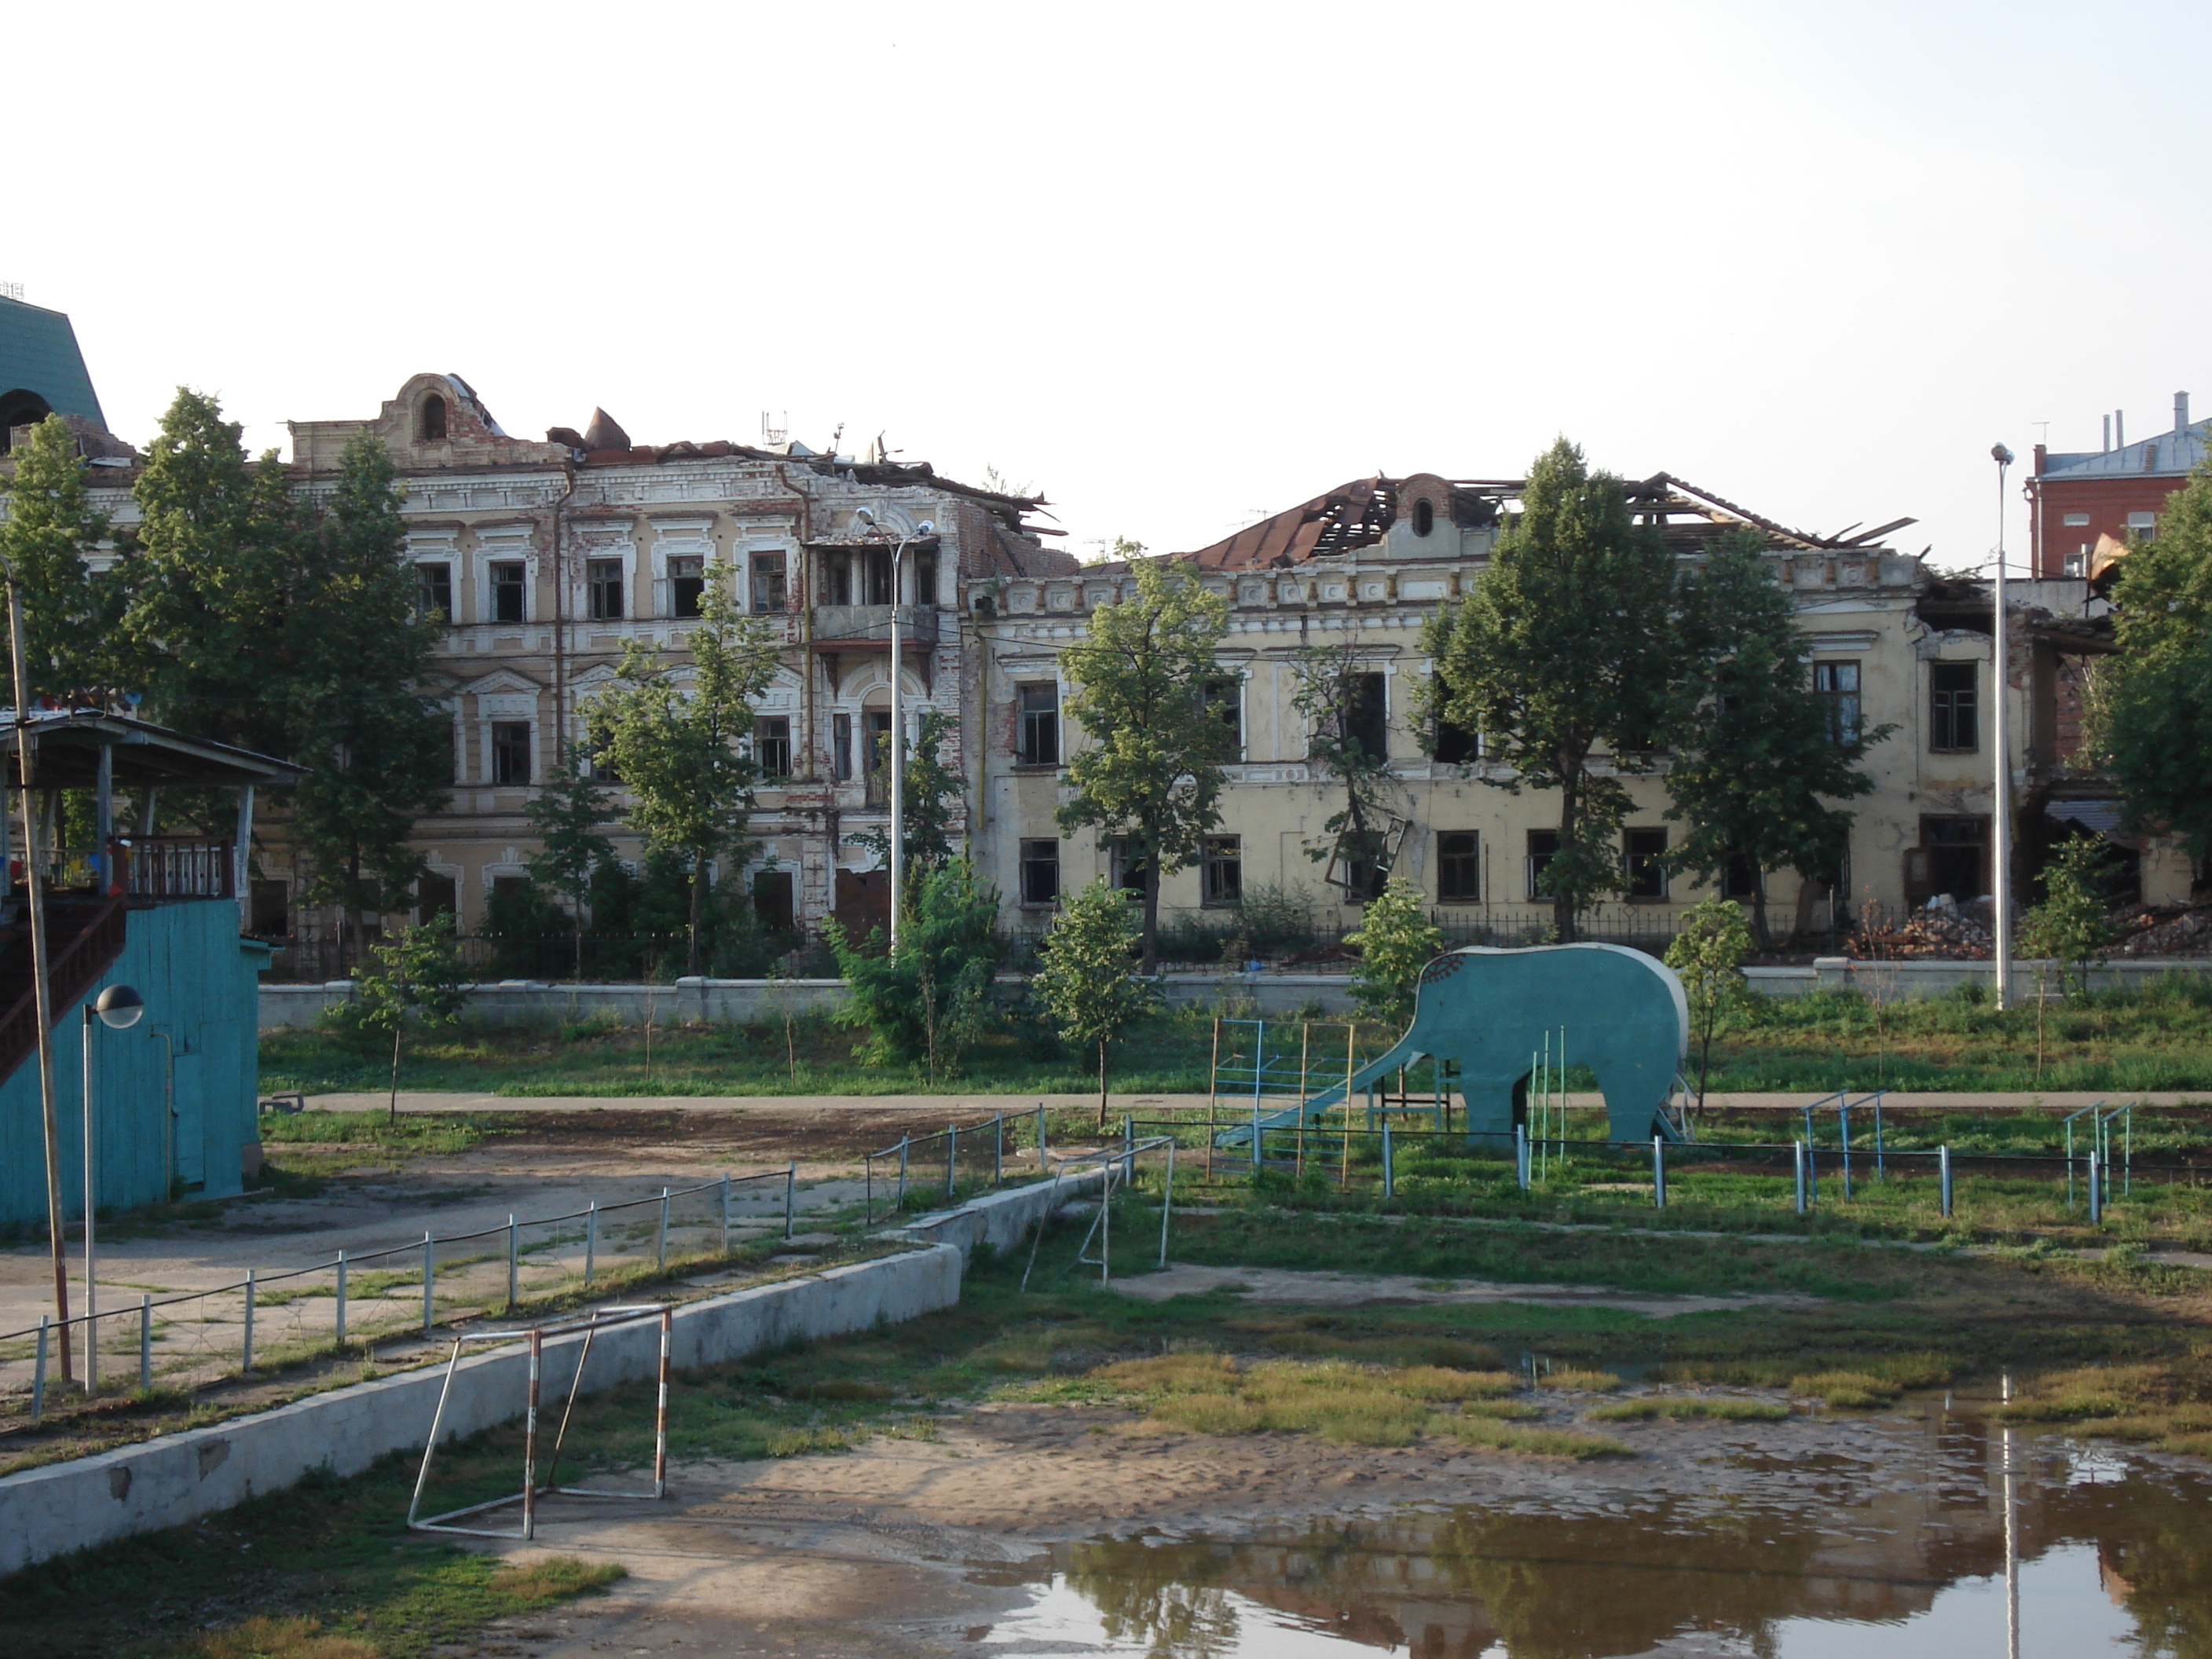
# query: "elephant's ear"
1442,968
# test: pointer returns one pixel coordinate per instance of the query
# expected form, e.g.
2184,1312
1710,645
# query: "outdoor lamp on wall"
119,1008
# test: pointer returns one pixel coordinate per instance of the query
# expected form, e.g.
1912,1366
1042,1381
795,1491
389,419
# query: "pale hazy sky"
1175,265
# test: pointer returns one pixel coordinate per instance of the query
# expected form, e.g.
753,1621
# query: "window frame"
772,745
429,589
604,580
1644,868
1534,862
1031,723
1945,709
768,581
1221,874
1038,853
1844,706
503,577
686,586
510,743
1225,701
1466,862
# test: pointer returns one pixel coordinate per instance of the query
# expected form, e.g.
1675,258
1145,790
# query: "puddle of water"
1945,1539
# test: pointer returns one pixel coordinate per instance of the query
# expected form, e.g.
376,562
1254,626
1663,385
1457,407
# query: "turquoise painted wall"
201,982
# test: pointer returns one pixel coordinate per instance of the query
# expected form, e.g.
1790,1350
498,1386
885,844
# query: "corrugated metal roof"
38,353
2170,453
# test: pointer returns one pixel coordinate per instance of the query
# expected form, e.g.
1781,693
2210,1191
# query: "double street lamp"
897,759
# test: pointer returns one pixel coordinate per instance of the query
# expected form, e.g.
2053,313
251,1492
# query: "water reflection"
1932,1538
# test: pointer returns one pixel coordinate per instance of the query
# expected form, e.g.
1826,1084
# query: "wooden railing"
78,963
173,866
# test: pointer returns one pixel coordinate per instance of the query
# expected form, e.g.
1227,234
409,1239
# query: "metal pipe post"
1797,1159
529,1438
246,1341
1943,1175
726,1213
1167,1202
513,1260
660,1408
660,1250
341,1298
1521,1156
2000,744
91,1277
903,1142
39,1376
952,1161
790,1201
1878,1168
429,1271
1390,1180
1658,1172
1844,1136
2096,1195
145,1341
998,1151
1040,1137
591,1239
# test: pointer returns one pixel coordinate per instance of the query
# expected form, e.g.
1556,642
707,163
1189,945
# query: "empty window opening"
1837,685
1543,848
509,590
1224,870
603,588
772,900
768,591
841,747
1424,517
1644,863
433,423
433,591
1037,742
877,732
1452,743
1225,701
510,751
772,745
687,580
877,573
1953,726
1040,872
1739,877
1459,867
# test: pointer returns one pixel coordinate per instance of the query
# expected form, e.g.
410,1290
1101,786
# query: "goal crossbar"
589,1325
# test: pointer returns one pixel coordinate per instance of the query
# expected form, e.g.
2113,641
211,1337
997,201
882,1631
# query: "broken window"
1225,701
433,423
603,582
1363,855
1459,867
772,900
434,590
1952,725
875,571
1224,870
1126,865
1452,744
687,580
841,747
1644,863
436,896
1424,517
1040,872
1366,716
925,576
1543,848
272,908
1739,877
878,731
768,582
1037,742
772,745
509,590
1837,685
510,751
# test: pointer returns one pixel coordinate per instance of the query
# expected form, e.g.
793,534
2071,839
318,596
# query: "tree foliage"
1396,941
2069,927
675,741
565,816
931,796
1152,771
1758,754
1085,978
1565,645
416,980
929,1000
1343,744
49,528
1707,954
2151,704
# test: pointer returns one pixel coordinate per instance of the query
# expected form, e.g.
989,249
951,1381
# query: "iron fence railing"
192,1339
929,1167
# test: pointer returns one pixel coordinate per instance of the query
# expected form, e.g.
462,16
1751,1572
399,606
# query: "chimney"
2120,429
2108,435
2181,413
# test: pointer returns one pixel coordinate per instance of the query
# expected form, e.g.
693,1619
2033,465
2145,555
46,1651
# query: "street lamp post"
1999,739
896,837
118,1008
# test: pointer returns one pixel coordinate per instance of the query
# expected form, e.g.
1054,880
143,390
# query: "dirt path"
1325,1290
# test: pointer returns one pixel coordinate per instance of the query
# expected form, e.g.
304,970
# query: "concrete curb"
1001,1220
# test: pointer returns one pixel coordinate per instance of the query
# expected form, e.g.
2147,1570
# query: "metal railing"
195,1337
931,1163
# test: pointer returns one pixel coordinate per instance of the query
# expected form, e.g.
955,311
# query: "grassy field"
2155,1038
2128,1348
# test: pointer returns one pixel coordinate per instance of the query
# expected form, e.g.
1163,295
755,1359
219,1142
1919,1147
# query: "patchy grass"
2167,1404
1586,1381
1727,1408
1539,1442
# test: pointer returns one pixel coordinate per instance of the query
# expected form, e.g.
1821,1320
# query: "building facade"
2084,506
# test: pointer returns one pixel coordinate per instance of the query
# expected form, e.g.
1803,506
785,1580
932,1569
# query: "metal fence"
195,1337
934,1170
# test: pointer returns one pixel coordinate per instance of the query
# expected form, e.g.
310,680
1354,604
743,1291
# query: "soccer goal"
589,1325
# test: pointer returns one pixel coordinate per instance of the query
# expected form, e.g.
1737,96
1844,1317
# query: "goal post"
589,1325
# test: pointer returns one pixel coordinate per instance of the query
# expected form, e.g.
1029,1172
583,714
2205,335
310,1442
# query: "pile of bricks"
1945,934
2164,932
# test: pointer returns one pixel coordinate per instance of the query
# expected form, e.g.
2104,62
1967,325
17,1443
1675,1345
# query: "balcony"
838,627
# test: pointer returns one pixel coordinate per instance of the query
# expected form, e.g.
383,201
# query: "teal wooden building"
175,1098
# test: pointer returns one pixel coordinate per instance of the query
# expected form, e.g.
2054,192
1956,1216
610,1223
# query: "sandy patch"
1361,1289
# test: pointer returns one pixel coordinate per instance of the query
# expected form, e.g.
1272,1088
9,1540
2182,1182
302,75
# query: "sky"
1173,265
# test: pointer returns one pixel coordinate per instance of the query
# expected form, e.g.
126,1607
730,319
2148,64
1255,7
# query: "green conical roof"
39,354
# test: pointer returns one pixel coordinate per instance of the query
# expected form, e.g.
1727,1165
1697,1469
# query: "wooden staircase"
85,936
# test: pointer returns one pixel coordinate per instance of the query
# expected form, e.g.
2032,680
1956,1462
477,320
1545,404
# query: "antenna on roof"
774,432
11,290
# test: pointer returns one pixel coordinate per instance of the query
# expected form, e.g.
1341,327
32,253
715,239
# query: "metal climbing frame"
590,1325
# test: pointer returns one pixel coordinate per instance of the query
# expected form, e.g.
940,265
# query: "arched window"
1424,517
433,425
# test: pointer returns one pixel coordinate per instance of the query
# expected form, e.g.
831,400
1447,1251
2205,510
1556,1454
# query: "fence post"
145,1341
245,1344
790,1196
342,1291
1389,1186
1797,1163
902,1192
998,1151
429,1268
1943,1175
1040,1137
952,1161
1129,1157
726,1213
660,1250
39,1376
1256,1145
2096,1193
1658,1172
591,1239
1521,1156
868,1175
513,1260
1844,1136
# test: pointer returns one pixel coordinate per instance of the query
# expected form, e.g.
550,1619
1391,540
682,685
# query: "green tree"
1758,753
2150,709
416,979
50,526
1348,743
1152,771
930,1000
1707,953
565,816
1565,645
1396,941
932,795
375,752
1083,977
2069,927
677,743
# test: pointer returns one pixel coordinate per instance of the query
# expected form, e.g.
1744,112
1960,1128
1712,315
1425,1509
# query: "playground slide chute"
1487,1010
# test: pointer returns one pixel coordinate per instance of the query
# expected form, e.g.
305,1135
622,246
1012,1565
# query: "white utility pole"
2001,740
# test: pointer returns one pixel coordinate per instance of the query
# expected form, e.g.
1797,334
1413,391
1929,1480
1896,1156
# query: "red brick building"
2077,501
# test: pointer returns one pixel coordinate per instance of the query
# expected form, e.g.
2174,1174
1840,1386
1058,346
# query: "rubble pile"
1940,931
2165,931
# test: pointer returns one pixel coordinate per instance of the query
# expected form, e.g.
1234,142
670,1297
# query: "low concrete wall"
1001,1220
526,1002
1898,981
51,1512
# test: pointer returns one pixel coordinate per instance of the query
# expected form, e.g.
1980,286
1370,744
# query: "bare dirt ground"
1300,1287
904,1549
